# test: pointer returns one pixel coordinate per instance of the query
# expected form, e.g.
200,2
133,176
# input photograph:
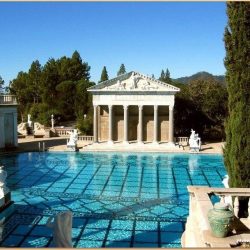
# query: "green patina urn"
220,219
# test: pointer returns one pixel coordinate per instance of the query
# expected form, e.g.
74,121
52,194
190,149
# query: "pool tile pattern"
117,200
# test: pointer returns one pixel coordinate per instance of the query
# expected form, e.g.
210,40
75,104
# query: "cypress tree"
122,70
162,77
237,63
167,76
104,75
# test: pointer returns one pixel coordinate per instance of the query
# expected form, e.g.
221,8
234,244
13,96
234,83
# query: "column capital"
171,107
95,106
140,107
111,106
156,107
125,107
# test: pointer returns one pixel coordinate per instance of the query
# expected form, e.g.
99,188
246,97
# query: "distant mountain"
203,74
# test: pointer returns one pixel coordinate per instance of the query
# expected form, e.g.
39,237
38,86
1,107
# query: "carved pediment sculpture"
133,81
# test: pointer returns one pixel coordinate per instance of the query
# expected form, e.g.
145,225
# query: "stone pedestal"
47,133
72,148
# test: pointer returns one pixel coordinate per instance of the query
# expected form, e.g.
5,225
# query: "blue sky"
185,37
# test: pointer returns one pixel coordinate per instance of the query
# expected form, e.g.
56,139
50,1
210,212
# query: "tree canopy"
59,87
202,105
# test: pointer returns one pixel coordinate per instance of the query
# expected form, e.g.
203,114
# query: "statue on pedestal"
3,189
52,121
6,205
194,142
5,197
72,140
29,122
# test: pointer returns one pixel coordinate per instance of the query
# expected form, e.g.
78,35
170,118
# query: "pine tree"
237,62
104,75
35,73
122,70
79,70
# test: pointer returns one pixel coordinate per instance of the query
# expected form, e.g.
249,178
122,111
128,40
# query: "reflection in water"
30,156
193,163
72,161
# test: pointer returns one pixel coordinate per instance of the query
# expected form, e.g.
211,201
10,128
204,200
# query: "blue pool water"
117,199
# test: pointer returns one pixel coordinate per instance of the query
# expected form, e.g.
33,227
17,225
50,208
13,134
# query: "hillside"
203,74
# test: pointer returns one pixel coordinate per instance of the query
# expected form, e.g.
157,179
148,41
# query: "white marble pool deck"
59,144
149,147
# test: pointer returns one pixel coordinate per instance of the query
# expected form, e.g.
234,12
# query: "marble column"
155,141
95,124
2,132
125,127
171,125
110,140
140,126
15,129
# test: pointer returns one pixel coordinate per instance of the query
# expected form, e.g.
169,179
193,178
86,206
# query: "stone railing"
182,141
198,232
63,132
7,99
88,138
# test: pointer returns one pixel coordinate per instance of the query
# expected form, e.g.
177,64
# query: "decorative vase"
220,219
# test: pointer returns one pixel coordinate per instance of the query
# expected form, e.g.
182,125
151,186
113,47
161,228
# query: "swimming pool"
117,199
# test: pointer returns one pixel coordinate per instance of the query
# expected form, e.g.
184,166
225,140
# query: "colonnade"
140,125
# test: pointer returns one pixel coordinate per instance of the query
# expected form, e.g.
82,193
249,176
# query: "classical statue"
194,142
29,121
134,81
73,138
120,84
3,188
62,229
52,121
22,128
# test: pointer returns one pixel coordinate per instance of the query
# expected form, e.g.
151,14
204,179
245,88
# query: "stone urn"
221,218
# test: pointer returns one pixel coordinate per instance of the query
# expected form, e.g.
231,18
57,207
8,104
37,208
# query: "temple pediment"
133,81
